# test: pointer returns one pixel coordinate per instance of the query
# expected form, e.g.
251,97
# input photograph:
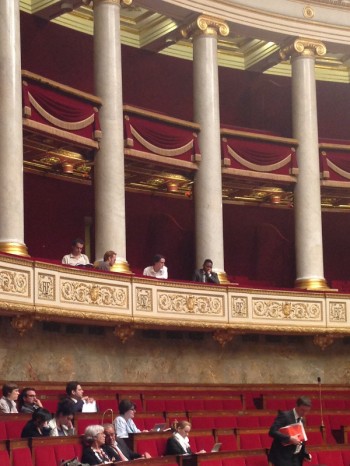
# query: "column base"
311,284
121,266
223,277
17,249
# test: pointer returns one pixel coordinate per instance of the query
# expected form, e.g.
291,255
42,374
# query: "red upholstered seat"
247,421
21,457
331,458
14,428
260,460
149,445
210,462
194,405
3,433
106,403
64,452
233,462
266,421
148,422
225,422
4,455
232,404
78,448
314,438
334,404
266,440
155,405
174,405
203,422
202,442
275,404
229,442
44,455
346,457
250,441
213,404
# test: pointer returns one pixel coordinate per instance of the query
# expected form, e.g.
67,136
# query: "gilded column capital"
205,24
113,2
304,47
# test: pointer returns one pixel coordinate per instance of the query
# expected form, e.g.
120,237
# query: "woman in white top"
61,425
124,424
10,394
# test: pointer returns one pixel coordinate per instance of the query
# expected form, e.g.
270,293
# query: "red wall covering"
259,242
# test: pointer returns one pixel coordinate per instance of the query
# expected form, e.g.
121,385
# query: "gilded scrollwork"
143,299
267,309
337,312
22,323
206,24
77,292
190,304
46,286
302,46
239,307
14,282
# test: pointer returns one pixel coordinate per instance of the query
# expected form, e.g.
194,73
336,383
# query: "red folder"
294,429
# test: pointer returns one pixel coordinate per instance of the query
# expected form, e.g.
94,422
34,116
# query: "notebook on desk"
159,427
216,447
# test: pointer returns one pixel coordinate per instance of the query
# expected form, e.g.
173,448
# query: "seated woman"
124,424
61,425
95,450
10,394
179,443
38,425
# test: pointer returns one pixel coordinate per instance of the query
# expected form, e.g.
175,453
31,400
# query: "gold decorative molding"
305,47
205,24
239,307
282,310
337,312
308,12
312,284
46,286
18,249
15,282
87,293
223,336
143,299
22,323
177,303
324,341
124,332
121,266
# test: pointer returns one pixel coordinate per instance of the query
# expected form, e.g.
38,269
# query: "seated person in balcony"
75,396
95,450
38,425
206,274
61,424
28,401
109,259
179,444
9,397
124,424
76,257
120,445
158,268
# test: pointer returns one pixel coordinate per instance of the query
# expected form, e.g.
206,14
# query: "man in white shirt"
76,257
157,269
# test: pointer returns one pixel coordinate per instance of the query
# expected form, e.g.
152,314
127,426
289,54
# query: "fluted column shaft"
11,140
109,162
208,184
307,195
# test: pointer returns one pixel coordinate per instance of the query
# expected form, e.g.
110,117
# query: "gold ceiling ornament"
206,24
223,336
22,323
124,332
324,341
302,46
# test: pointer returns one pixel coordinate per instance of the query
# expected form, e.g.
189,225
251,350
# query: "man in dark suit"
206,274
120,446
286,450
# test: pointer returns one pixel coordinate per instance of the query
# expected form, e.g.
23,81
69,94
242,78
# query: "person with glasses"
95,450
124,424
28,402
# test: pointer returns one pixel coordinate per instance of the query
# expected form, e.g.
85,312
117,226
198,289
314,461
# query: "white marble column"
307,194
11,140
109,160
208,183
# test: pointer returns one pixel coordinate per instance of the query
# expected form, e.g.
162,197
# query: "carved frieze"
14,282
177,303
80,292
46,286
337,312
287,310
239,307
143,299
